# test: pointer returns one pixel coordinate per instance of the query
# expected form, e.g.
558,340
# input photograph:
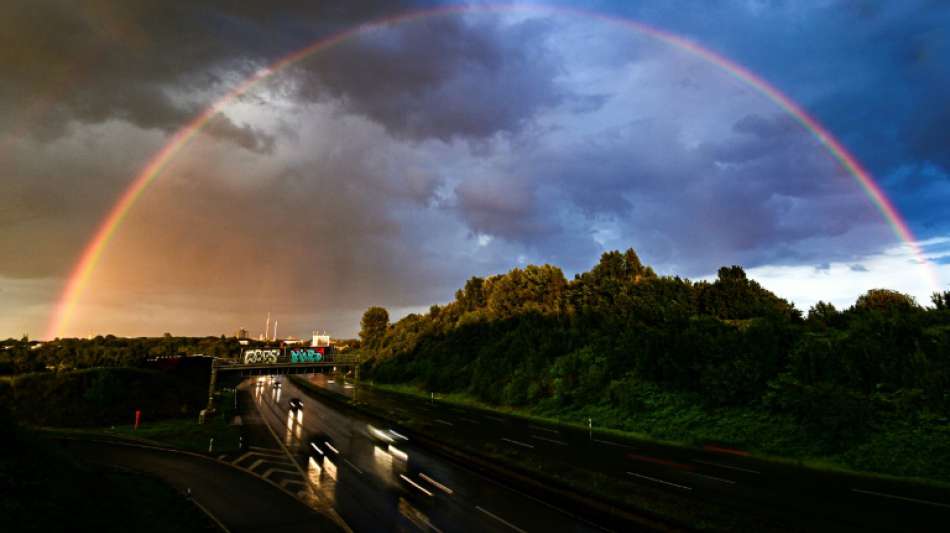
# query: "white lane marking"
655,480
519,443
905,498
720,479
730,467
403,437
447,423
416,485
353,465
611,443
436,483
469,420
331,447
549,430
494,418
315,447
539,437
500,519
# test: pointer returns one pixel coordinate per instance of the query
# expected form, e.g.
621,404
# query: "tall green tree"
373,326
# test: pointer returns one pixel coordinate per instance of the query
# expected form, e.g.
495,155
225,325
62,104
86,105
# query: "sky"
388,168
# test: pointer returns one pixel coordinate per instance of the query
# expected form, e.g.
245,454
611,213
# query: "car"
296,404
276,384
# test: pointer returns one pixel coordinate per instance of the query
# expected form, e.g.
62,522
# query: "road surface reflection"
377,480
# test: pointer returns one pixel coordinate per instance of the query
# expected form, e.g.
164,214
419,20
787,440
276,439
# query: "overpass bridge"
279,367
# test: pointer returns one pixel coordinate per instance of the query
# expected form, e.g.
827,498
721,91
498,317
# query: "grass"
902,451
181,433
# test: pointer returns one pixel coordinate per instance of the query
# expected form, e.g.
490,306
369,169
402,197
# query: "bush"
100,396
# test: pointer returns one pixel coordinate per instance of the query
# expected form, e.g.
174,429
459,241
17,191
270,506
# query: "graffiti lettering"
307,355
261,356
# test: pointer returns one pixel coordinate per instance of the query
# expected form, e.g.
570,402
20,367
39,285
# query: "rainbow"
81,273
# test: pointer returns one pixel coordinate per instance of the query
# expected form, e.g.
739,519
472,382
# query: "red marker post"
138,418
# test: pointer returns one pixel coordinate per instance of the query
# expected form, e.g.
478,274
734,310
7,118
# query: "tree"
734,296
824,315
885,300
373,326
941,300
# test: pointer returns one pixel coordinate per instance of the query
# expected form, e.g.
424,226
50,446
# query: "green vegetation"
99,396
726,362
47,490
181,433
24,356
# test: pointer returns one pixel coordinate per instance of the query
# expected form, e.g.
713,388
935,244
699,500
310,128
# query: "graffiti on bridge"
261,356
306,355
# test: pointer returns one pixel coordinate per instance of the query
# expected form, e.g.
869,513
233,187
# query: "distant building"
320,341
241,334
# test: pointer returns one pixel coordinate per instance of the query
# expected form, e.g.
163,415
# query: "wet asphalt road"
378,481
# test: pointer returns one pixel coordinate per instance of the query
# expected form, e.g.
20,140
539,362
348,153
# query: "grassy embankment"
919,450
101,402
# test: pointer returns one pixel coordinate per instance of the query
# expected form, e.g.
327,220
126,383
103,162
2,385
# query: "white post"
211,445
590,428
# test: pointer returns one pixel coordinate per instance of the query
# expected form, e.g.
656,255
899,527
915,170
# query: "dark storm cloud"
157,65
445,77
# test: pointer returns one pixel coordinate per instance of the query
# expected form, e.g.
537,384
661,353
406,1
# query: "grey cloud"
156,65
445,77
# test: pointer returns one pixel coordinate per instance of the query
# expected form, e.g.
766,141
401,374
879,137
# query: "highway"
377,480
785,496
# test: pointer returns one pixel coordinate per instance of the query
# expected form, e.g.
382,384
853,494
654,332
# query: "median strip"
611,443
545,439
904,498
730,467
655,480
519,443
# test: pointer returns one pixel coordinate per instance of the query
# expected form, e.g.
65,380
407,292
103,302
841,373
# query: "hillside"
727,361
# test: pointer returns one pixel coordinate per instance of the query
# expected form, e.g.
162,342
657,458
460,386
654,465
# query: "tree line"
531,336
20,356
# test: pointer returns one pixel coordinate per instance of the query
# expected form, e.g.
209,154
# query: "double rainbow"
89,259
